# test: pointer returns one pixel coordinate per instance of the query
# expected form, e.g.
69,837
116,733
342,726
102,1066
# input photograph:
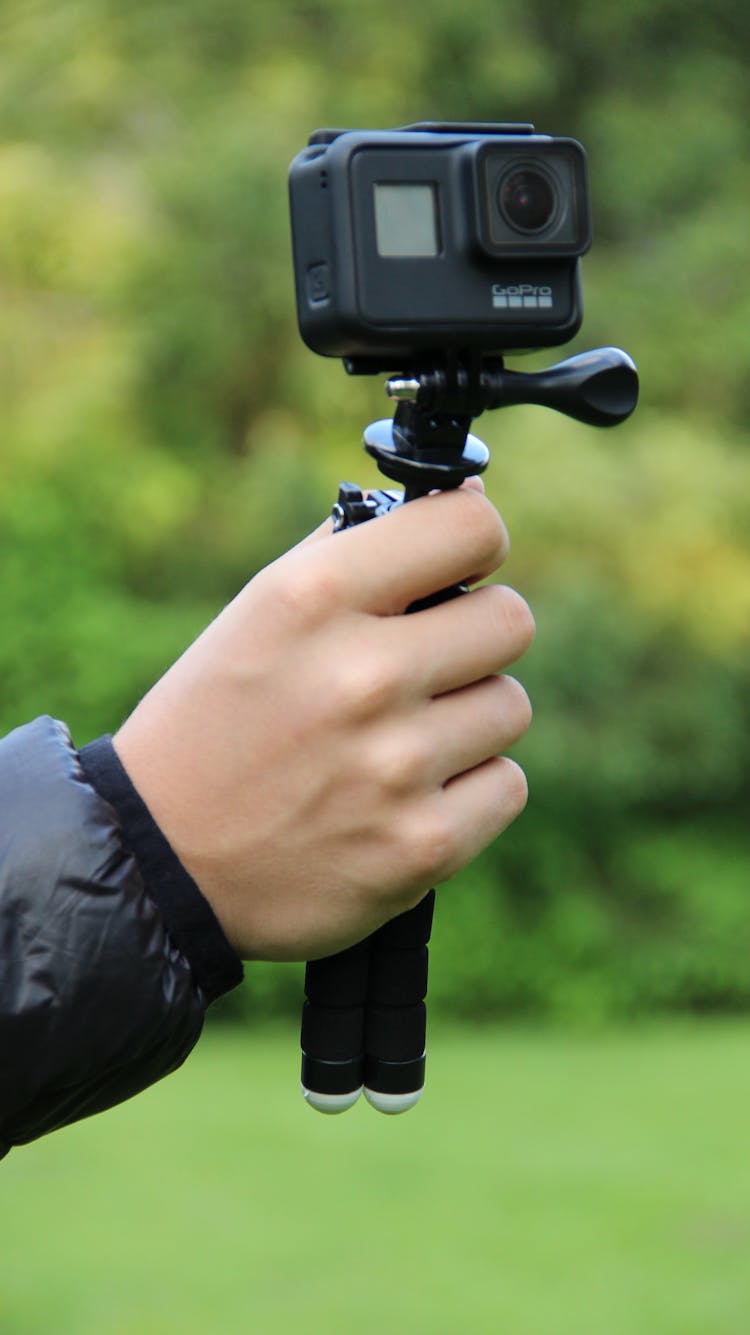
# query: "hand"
317,760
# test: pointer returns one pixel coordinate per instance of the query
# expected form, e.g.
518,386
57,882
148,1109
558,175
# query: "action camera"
436,238
431,252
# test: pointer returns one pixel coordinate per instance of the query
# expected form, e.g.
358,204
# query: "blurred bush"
165,433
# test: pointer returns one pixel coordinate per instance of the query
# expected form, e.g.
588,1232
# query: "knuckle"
398,764
308,590
367,684
428,848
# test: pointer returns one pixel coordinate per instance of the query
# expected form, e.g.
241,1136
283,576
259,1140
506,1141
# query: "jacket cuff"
188,917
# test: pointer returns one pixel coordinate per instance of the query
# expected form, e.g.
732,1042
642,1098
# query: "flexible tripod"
364,1017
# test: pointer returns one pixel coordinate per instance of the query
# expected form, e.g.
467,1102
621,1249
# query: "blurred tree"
165,432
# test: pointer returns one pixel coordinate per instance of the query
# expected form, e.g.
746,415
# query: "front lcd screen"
406,220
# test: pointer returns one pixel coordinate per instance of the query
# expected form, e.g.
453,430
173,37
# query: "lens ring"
527,198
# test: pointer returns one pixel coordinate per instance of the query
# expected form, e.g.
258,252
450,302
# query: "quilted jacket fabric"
109,954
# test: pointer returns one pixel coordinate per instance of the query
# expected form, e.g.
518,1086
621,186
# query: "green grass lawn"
548,1184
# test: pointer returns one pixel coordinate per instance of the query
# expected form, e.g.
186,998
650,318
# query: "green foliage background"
165,433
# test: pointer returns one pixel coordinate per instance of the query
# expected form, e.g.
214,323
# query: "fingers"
325,529
480,805
475,724
411,552
418,752
461,641
474,484
447,830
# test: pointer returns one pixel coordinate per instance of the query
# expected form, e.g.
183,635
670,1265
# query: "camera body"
413,242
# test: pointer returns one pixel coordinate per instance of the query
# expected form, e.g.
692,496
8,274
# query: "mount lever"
598,387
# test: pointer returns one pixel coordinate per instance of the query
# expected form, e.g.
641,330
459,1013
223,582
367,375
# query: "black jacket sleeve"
109,954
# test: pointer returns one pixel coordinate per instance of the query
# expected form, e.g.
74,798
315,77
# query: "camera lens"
527,199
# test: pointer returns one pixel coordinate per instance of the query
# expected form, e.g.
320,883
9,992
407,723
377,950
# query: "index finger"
325,528
384,565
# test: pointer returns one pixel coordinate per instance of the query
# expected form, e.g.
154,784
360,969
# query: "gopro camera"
431,251
437,237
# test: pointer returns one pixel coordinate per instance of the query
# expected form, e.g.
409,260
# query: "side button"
318,284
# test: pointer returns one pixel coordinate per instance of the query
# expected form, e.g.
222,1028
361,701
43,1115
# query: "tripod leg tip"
392,1103
330,1103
